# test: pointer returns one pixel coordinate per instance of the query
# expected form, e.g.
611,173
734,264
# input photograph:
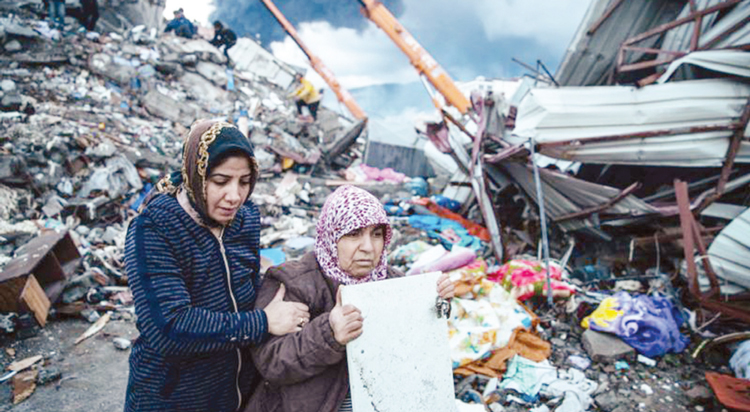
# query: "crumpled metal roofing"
590,59
574,114
565,194
729,253
733,62
678,39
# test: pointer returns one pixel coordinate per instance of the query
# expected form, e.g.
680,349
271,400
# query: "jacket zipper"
236,310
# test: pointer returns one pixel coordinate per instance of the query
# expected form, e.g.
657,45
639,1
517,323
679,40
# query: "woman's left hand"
445,287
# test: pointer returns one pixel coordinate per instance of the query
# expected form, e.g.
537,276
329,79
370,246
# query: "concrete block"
605,347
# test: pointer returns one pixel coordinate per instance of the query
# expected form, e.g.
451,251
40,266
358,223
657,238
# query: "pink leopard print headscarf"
348,208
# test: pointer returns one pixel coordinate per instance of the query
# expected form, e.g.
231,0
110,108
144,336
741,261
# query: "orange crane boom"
343,95
418,56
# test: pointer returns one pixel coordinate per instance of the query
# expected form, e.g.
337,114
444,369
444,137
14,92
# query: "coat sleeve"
170,26
295,357
167,319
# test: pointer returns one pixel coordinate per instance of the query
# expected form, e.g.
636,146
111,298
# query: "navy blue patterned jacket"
189,354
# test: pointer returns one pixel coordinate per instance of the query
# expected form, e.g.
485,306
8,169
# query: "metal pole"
543,221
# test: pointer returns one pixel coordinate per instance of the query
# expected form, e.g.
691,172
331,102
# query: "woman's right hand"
285,317
346,321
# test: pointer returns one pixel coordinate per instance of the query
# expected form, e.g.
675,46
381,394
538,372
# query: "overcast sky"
468,38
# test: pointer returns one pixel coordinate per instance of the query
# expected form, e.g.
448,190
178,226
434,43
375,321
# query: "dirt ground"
94,372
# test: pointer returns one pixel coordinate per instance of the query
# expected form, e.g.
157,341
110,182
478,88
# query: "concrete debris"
121,343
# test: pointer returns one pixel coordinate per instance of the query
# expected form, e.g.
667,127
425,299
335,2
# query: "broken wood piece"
18,366
96,327
34,299
24,385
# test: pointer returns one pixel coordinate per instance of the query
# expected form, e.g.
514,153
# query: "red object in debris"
734,393
473,228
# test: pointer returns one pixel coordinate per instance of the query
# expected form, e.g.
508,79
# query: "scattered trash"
646,361
95,328
579,362
121,343
19,366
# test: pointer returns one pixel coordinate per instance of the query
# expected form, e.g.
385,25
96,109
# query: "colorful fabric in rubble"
527,278
481,325
468,278
447,231
650,324
474,229
437,259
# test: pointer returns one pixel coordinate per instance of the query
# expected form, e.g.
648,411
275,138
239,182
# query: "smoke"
250,17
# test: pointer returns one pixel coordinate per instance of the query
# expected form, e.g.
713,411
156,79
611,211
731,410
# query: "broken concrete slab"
606,348
213,72
13,46
104,65
163,106
204,90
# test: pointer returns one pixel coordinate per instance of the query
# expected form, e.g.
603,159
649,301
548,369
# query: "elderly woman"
192,263
307,370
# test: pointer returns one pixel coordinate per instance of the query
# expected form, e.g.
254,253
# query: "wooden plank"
10,290
95,328
34,299
18,366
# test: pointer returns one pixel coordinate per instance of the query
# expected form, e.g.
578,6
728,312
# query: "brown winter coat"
302,371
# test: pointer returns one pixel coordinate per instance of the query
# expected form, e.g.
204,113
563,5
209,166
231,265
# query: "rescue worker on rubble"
306,95
89,14
306,371
223,37
56,13
192,260
181,25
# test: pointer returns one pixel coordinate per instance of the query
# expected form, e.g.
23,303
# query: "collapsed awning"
566,197
686,123
732,62
729,253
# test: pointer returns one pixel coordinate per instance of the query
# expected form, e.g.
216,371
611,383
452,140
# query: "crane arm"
418,56
341,93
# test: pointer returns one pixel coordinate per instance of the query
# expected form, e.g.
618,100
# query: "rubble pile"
89,122
595,236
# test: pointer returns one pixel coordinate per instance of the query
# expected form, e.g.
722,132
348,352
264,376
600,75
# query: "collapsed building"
621,171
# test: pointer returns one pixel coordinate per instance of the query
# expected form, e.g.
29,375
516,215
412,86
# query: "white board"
401,362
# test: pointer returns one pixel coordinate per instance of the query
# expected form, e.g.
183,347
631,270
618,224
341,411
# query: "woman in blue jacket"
192,259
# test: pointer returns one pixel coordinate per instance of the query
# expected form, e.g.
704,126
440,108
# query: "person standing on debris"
223,37
192,260
181,25
306,95
57,13
89,14
307,370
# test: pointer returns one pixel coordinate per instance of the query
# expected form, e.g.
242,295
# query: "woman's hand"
346,321
285,317
445,287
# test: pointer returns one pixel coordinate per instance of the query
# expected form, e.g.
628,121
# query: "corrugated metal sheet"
678,39
737,38
407,160
733,62
575,114
590,59
564,195
729,253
